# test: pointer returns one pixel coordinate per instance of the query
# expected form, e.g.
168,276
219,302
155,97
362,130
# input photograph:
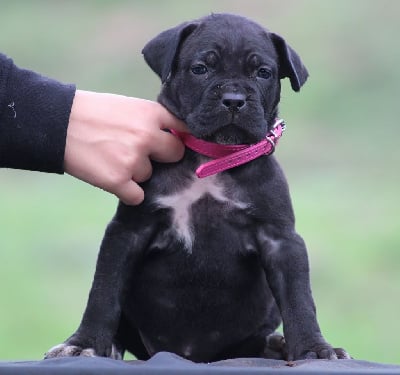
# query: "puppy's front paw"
68,350
342,354
325,351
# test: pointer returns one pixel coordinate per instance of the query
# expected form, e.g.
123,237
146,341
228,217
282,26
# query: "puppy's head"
221,74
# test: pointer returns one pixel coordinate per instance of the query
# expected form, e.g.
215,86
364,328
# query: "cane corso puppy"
208,267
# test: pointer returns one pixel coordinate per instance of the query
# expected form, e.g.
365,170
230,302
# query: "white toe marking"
89,352
62,350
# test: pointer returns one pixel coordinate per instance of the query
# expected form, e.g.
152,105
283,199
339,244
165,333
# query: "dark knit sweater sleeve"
34,115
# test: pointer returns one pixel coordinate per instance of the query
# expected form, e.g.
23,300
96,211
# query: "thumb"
178,125
130,193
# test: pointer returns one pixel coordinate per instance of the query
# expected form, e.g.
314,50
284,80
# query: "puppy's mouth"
231,135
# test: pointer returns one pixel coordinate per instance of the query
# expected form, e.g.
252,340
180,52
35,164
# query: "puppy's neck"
230,156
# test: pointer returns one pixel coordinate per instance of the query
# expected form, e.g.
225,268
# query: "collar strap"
230,156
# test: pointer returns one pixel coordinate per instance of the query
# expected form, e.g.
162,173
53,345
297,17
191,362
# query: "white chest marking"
182,201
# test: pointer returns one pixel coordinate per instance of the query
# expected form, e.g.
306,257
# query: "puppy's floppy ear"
161,52
290,64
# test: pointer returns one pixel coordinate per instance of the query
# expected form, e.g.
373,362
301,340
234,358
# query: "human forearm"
34,113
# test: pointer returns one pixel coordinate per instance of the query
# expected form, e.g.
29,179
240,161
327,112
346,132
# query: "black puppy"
208,267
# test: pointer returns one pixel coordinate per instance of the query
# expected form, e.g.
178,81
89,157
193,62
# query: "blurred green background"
341,156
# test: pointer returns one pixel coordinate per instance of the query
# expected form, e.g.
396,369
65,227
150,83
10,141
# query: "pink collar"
230,156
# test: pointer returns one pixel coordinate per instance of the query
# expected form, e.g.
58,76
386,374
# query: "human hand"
111,139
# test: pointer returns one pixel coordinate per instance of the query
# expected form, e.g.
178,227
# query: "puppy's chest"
212,200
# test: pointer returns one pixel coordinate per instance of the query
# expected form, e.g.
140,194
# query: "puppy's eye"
264,73
199,69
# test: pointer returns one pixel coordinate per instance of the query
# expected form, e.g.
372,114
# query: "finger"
141,169
167,148
130,193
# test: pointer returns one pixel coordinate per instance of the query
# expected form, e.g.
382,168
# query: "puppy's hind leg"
275,346
262,345
128,336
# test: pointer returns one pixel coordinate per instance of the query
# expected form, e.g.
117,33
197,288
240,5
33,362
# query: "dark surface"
167,363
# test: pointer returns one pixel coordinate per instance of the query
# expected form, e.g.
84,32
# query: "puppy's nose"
233,101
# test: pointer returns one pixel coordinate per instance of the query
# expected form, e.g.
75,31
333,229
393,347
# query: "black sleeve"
34,115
